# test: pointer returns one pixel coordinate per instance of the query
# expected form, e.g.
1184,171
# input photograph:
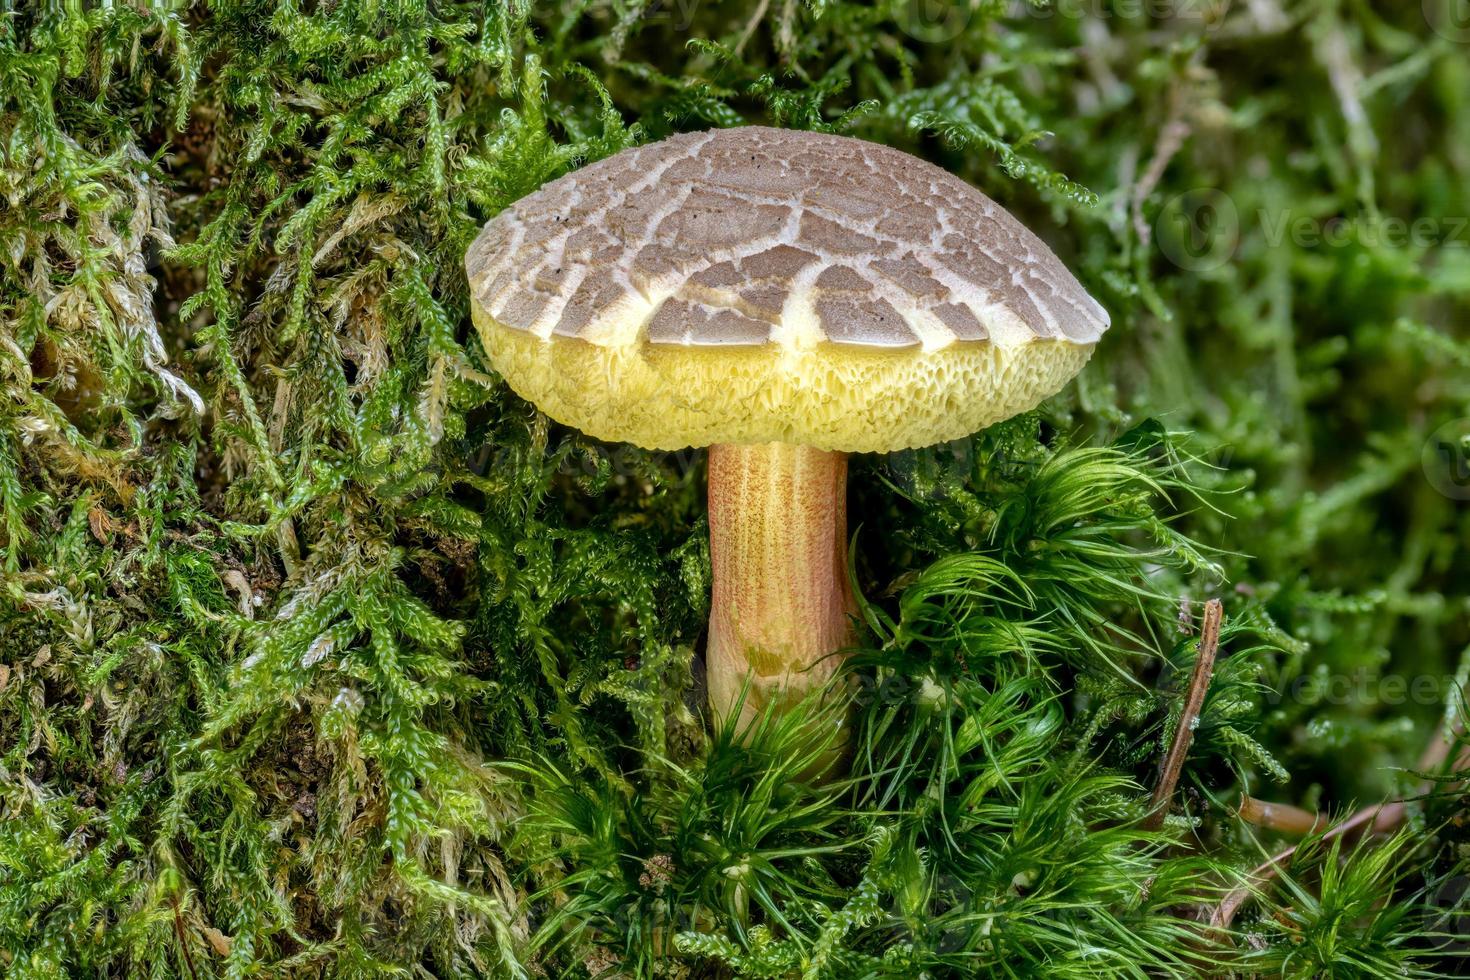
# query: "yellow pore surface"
831,396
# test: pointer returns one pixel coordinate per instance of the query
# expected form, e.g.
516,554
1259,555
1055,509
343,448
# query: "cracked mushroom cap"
761,285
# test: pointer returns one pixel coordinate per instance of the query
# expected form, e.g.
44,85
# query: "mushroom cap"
760,285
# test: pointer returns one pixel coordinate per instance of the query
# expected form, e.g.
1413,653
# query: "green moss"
323,654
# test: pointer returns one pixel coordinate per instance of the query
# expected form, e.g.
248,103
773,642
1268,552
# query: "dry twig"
1199,683
1378,819
1282,817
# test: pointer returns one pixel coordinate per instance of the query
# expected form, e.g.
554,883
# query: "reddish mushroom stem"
780,601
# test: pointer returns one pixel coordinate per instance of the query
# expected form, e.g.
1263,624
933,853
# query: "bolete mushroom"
784,298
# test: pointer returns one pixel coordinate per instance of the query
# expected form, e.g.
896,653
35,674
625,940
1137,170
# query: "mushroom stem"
780,602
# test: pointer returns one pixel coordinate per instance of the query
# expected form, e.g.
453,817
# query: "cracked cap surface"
756,285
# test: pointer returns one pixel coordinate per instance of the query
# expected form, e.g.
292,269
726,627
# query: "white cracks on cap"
663,245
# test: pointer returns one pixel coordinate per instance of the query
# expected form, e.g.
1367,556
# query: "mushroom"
784,298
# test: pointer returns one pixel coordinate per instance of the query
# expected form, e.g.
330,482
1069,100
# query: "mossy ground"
323,654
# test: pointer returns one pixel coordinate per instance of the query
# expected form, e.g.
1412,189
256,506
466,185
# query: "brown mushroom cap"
761,285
